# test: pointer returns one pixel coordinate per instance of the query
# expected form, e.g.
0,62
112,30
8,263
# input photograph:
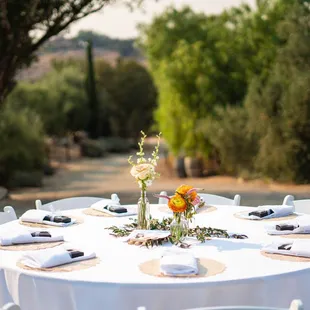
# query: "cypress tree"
93,126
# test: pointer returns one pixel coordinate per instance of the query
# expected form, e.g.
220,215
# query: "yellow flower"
177,203
183,189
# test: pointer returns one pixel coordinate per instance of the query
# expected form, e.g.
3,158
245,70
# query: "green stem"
143,221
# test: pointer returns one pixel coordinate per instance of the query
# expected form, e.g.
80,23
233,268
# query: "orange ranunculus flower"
177,203
183,189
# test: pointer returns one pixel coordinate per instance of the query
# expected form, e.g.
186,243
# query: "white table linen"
117,282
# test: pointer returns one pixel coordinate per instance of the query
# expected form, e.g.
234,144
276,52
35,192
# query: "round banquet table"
117,282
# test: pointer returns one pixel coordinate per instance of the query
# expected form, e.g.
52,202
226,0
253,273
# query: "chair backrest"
302,206
67,203
295,305
288,200
8,215
10,306
220,200
210,199
162,200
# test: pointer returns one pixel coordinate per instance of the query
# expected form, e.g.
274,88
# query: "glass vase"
178,227
143,211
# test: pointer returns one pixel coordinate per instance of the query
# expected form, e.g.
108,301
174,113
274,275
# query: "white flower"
142,171
148,182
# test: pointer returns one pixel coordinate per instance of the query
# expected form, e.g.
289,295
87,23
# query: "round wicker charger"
296,236
289,217
93,212
31,246
206,268
79,220
287,258
206,209
84,264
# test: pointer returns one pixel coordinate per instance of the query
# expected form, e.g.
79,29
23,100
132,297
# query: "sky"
118,21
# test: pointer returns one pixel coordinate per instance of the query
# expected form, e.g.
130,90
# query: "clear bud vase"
178,227
143,211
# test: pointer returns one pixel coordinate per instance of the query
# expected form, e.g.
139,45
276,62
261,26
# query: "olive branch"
201,233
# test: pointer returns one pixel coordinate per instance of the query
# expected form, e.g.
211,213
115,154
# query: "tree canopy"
26,25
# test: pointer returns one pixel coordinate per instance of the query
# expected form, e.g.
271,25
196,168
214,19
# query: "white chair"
288,200
295,305
220,200
209,199
162,200
67,203
8,215
302,206
10,306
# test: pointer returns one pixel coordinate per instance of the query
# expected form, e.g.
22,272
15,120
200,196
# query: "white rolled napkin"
178,263
301,226
298,248
24,237
53,257
37,216
279,211
105,204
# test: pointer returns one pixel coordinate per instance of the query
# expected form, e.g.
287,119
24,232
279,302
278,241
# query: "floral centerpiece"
144,171
184,204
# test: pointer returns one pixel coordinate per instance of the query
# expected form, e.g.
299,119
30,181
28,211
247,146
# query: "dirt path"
102,177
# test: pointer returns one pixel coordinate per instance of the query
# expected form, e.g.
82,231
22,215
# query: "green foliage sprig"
140,154
201,233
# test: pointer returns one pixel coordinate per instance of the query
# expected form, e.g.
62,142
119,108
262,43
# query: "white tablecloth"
118,284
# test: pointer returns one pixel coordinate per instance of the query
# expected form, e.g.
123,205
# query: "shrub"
22,144
59,98
279,105
26,179
115,145
92,148
228,133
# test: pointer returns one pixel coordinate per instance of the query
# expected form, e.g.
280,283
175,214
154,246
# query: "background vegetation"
235,85
231,88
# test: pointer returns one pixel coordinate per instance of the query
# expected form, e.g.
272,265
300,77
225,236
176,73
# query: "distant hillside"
125,48
43,64
61,48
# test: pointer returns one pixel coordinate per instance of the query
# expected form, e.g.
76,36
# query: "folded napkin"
113,207
293,248
55,257
272,211
41,217
297,226
24,237
178,263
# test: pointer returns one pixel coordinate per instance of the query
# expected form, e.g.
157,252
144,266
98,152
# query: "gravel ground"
102,177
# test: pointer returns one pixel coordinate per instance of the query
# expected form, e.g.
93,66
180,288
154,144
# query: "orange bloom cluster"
180,201
177,203
184,189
